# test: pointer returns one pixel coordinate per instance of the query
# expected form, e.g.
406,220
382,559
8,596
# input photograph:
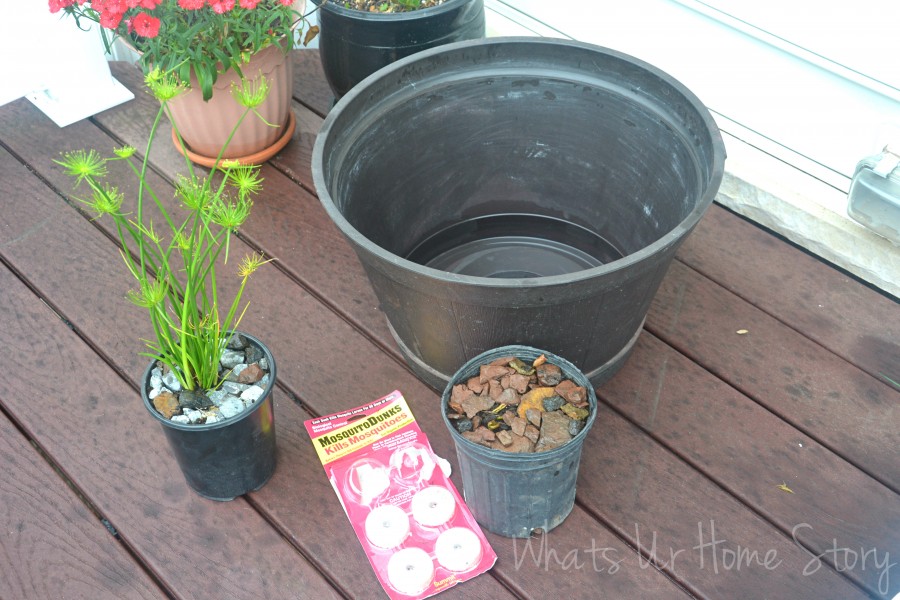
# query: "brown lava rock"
504,408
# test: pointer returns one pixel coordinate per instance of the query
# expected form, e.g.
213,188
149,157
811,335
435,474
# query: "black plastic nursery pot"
353,44
517,191
224,460
514,494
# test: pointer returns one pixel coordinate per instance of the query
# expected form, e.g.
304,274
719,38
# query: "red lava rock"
489,372
483,436
503,361
549,374
251,374
167,404
574,394
504,437
554,431
458,395
495,389
508,397
474,405
517,444
534,416
517,424
519,382
474,384
532,433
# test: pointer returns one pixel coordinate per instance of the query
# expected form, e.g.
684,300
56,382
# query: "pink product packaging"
418,534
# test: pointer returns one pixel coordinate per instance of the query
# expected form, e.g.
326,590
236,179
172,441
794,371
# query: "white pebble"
252,394
183,419
231,358
170,381
216,396
234,388
232,406
156,378
263,364
193,415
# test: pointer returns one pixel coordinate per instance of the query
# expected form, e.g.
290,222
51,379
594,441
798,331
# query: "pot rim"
411,15
148,404
359,93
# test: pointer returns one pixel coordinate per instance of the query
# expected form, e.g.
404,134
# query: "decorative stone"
517,444
250,374
236,342
554,431
532,433
519,382
476,404
183,419
194,416
489,372
549,374
194,400
508,397
231,358
230,407
574,394
533,415
234,388
153,393
171,382
253,355
552,403
504,437
573,412
252,394
217,396
575,427
459,394
474,384
156,381
167,404
534,399
263,364
516,424
483,436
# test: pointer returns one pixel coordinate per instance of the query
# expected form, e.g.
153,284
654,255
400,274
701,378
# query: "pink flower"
249,4
58,5
221,6
110,20
145,26
287,2
191,4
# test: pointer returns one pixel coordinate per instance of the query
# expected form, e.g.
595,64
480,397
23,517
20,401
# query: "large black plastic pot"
514,494
224,460
517,191
353,44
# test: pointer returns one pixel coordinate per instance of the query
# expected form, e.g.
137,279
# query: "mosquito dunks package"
418,534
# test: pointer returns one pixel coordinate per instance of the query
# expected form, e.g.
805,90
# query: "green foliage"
175,266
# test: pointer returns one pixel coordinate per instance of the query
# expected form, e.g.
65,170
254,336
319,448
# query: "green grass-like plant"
175,262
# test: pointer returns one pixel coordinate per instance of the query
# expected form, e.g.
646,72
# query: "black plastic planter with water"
353,44
517,191
513,494
224,460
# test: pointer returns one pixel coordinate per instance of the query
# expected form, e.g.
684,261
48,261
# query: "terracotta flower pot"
205,126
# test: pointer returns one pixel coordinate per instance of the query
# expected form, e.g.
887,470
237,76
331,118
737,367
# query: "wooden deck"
678,493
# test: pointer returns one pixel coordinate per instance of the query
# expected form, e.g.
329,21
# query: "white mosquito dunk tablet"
433,506
458,549
387,526
369,482
410,571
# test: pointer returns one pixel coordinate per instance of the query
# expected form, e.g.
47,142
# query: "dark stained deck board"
851,320
682,480
326,391
819,393
51,545
748,451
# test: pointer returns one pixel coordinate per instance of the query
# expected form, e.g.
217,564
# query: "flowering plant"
199,37
176,272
